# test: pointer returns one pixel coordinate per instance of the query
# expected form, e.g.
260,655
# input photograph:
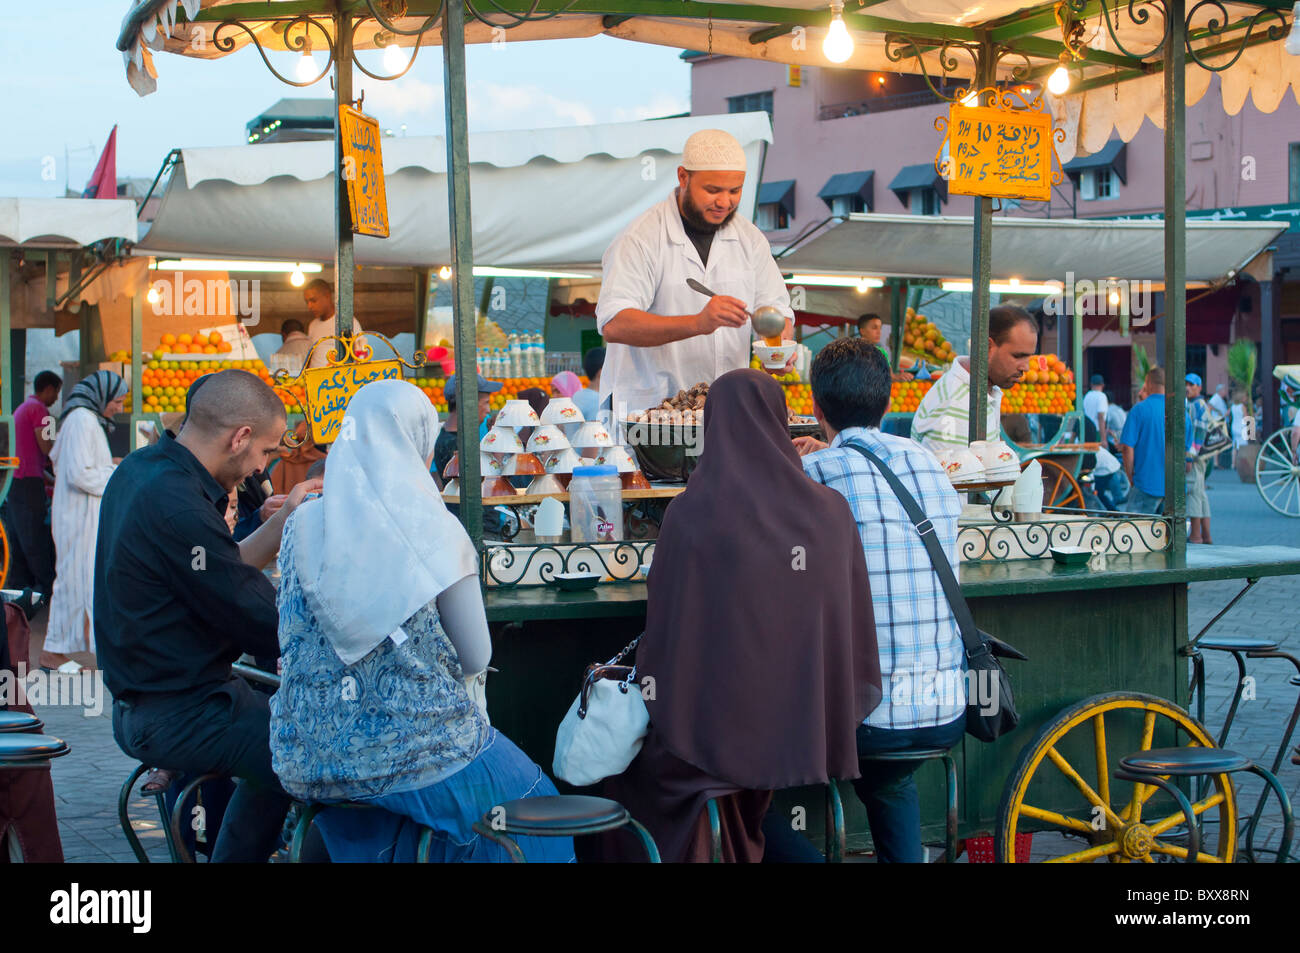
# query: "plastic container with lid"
596,504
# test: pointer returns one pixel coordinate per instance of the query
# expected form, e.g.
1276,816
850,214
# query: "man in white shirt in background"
661,336
1219,402
319,298
942,421
293,349
1095,406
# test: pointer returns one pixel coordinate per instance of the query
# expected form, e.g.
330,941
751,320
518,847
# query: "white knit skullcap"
713,150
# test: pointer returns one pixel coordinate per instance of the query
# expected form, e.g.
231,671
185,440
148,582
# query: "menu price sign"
330,388
999,153
363,170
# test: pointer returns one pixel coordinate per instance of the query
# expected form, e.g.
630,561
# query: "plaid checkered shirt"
921,656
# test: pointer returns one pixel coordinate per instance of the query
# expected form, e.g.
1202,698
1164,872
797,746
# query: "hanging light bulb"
838,45
153,297
297,279
445,272
394,59
1059,82
306,67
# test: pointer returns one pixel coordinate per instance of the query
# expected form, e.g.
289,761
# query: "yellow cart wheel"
1073,759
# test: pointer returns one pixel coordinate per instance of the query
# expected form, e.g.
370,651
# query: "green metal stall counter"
1085,631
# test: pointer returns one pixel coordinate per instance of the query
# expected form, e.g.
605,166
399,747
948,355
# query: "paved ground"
87,781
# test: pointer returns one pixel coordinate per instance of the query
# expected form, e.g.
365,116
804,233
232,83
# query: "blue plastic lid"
596,471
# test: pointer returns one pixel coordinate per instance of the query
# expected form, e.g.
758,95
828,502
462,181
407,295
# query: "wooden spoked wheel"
1277,474
1060,488
1073,759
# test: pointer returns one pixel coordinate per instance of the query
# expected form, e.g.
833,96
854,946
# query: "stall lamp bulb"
445,272
393,58
971,99
863,286
297,279
1113,298
306,68
1059,82
153,296
838,45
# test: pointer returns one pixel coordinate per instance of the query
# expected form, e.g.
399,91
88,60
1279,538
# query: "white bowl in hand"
774,358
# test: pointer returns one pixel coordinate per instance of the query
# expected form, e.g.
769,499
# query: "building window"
923,202
773,217
1098,184
751,103
1293,190
847,204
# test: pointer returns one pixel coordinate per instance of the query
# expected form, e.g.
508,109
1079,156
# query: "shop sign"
330,388
363,170
999,151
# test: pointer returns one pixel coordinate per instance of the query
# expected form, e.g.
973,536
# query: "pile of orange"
194,344
165,382
1046,388
924,339
905,396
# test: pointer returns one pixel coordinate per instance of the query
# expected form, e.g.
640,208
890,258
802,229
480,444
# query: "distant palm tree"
1242,361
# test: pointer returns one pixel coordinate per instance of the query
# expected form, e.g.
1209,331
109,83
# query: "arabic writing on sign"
998,153
363,163
330,388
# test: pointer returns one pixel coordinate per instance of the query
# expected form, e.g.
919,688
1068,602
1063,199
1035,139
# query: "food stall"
1093,656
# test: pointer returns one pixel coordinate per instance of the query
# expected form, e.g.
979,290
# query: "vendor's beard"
694,216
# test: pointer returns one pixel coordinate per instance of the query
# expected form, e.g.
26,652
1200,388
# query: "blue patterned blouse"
398,720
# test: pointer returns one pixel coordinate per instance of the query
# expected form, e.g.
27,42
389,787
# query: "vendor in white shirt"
661,336
319,298
942,421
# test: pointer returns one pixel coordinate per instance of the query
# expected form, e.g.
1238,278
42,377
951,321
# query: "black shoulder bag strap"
938,558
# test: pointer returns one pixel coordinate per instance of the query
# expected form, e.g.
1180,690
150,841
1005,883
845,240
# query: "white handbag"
605,726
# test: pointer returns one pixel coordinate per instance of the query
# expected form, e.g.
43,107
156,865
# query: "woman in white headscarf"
381,628
82,465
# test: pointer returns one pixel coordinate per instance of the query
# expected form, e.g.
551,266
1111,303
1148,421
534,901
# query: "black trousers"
224,730
31,544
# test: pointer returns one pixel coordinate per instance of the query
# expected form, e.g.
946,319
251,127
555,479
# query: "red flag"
103,181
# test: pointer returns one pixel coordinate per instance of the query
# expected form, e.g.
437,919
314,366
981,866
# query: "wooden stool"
950,767
19,721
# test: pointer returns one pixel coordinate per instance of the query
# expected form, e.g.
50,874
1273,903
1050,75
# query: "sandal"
157,781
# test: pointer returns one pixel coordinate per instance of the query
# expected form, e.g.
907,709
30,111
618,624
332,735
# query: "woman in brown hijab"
759,637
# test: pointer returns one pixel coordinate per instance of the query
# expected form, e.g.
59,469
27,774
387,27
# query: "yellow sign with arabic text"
330,388
363,170
999,153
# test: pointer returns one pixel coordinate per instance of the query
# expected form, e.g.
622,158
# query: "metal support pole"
137,363
462,267
7,406
420,278
1175,329
896,294
344,267
1076,345
1270,325
981,267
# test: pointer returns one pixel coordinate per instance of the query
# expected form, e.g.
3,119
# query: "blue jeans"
889,791
1139,502
1112,489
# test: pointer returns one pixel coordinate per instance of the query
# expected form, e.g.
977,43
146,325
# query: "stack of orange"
1046,388
922,338
165,382
194,344
905,396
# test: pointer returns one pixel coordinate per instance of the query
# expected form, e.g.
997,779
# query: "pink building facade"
832,127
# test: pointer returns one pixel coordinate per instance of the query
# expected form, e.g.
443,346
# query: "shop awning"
72,223
923,176
540,198
935,246
778,193
792,31
1113,156
854,184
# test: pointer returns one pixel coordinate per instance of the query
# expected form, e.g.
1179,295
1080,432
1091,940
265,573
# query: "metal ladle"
768,321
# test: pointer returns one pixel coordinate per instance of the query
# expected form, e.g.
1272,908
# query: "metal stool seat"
950,782
21,750
561,815
19,721
1157,764
1237,643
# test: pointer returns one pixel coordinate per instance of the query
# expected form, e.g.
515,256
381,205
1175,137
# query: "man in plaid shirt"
921,653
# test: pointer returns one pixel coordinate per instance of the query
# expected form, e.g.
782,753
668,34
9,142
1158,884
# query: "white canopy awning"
540,198
72,223
929,246
1262,70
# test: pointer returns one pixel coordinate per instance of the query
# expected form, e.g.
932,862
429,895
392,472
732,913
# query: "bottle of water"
516,356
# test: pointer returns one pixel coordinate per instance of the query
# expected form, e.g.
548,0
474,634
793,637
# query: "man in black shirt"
177,600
